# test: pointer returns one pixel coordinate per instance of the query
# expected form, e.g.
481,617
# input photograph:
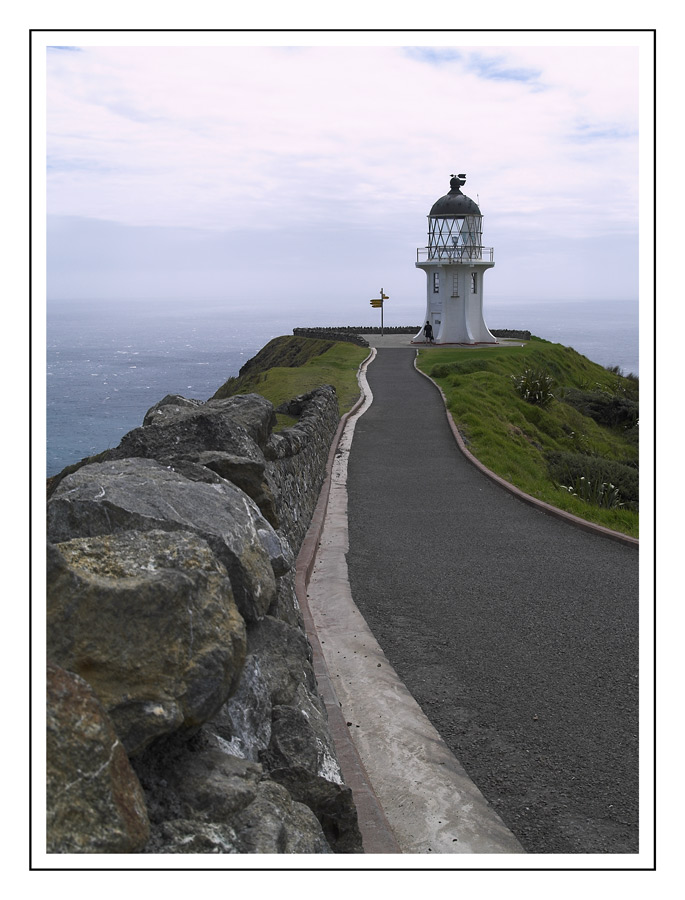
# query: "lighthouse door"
435,312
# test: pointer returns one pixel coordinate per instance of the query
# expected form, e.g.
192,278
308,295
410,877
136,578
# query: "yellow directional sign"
377,302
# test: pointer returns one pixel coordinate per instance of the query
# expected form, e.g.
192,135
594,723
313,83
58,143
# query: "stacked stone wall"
178,664
354,334
297,457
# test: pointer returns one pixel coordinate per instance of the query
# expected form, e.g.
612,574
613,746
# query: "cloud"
434,55
587,133
499,68
346,140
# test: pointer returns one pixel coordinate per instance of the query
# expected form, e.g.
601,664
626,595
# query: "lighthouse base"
422,340
448,331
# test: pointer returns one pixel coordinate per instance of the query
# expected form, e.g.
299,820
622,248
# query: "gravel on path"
516,633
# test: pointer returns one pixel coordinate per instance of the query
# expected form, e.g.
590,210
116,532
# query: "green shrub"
605,408
601,493
468,366
627,383
461,367
632,435
534,386
567,468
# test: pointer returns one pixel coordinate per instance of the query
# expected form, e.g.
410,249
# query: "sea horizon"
108,363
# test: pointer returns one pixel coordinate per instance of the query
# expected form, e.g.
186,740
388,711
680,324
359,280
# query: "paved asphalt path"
517,633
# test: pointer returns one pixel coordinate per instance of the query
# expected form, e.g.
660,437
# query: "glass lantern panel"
453,237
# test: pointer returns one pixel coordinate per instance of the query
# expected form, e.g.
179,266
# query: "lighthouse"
455,263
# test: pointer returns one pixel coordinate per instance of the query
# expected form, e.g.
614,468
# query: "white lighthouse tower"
455,262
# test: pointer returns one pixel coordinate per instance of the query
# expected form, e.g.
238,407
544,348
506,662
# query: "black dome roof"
455,204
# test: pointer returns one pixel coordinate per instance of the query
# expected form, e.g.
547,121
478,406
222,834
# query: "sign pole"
378,301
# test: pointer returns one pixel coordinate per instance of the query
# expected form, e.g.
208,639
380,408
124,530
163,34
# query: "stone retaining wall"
296,460
354,333
183,711
350,336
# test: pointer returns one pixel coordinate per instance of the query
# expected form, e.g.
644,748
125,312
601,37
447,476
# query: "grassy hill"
551,422
288,366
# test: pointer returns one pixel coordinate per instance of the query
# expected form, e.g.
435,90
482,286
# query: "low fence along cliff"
183,711
355,334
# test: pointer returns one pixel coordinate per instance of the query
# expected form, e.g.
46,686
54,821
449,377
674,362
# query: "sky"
300,172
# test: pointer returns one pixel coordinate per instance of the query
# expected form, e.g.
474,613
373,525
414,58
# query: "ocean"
107,364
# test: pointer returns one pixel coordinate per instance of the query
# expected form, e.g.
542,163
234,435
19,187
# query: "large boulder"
95,803
272,823
169,408
278,686
286,607
246,473
143,495
222,436
301,757
275,823
177,426
285,659
243,724
148,619
252,411
214,802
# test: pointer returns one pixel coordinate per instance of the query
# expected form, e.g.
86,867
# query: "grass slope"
289,366
517,439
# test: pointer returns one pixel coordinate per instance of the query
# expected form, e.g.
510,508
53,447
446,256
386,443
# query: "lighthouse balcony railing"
455,254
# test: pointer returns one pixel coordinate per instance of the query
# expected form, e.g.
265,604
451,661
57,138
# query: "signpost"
377,302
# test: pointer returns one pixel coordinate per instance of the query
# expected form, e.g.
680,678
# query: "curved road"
516,632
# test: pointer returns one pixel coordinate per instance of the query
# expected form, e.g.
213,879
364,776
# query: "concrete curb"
526,498
377,836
